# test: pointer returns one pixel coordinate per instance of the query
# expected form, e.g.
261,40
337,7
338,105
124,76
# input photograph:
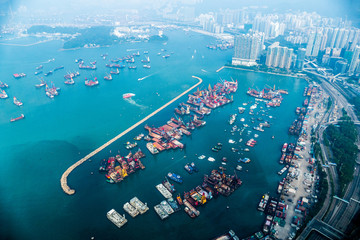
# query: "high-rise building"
277,56
333,38
310,43
247,49
354,61
300,59
316,45
355,40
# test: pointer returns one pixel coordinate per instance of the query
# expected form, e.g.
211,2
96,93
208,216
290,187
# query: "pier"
63,180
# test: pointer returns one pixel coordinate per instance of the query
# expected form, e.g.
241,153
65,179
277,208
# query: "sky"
331,8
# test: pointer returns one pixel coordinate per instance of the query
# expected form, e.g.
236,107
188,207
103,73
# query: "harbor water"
57,132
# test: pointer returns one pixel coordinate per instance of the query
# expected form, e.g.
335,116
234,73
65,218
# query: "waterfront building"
300,59
278,57
247,49
354,61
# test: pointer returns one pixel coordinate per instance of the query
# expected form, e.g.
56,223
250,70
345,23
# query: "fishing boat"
43,83
173,204
22,116
170,187
3,94
108,77
151,148
192,165
69,81
175,177
3,85
263,202
167,208
128,95
179,200
188,168
17,102
244,160
91,83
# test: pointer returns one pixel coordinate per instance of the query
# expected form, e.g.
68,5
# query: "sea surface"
55,133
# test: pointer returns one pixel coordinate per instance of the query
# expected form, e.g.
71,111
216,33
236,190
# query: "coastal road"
340,213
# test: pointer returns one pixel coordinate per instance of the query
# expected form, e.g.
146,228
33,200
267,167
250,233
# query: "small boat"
128,95
3,94
188,168
244,160
69,81
179,200
17,102
192,165
201,157
91,83
211,159
175,177
108,77
3,85
238,167
18,118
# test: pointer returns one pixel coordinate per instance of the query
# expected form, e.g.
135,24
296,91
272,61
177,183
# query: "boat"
140,206
69,81
211,159
167,208
128,95
241,109
116,72
192,165
263,202
163,191
71,75
173,204
146,66
188,168
160,212
18,118
283,170
179,200
39,67
19,75
244,160
3,85
232,118
58,68
189,212
17,102
131,210
151,148
168,185
116,218
91,83
43,83
238,167
3,94
175,177
48,73
108,77
201,157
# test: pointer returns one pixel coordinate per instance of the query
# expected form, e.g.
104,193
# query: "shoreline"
251,70
63,179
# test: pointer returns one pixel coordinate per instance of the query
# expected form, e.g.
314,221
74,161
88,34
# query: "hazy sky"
339,8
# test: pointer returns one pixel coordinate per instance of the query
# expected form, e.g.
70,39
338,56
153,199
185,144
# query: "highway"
340,213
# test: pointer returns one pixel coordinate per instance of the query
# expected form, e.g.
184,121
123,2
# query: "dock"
63,180
220,69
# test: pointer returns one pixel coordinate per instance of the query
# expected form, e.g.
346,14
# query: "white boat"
242,120
211,159
201,157
130,210
231,141
167,208
160,211
238,167
116,218
164,191
140,206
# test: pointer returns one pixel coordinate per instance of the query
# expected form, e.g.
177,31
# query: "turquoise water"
56,133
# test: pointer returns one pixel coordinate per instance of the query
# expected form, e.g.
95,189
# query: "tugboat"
175,177
17,102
